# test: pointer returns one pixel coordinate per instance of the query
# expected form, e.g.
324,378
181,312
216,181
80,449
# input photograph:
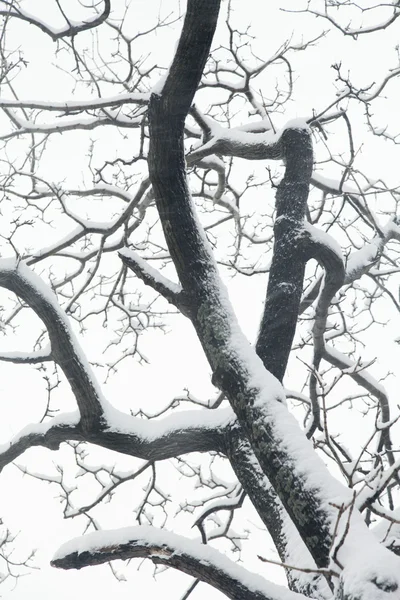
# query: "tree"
328,245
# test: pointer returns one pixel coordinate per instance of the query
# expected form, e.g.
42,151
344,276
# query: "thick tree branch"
283,454
252,391
191,431
17,277
165,548
290,546
285,283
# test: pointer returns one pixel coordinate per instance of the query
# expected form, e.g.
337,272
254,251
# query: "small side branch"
171,291
69,30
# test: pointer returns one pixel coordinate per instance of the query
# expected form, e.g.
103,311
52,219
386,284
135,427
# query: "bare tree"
169,191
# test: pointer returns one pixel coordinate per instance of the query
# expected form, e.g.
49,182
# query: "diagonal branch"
65,350
172,292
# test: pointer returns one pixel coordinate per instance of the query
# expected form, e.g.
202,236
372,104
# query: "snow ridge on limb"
27,358
19,279
253,142
169,549
180,433
286,538
73,106
171,291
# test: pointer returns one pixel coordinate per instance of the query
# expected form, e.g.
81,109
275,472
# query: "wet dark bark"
285,284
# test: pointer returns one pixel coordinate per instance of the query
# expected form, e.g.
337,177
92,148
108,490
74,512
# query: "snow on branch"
91,123
169,549
70,29
356,31
179,433
66,351
359,374
27,358
328,253
239,143
361,261
172,292
73,106
50,435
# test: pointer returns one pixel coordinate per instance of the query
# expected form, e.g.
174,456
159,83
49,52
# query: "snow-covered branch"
171,291
328,253
179,433
88,124
75,106
168,549
71,29
27,358
65,349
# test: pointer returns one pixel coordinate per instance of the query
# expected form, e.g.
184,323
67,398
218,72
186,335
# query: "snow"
150,430
352,366
333,185
363,258
298,123
159,86
323,238
151,271
27,356
35,429
172,543
73,105
34,281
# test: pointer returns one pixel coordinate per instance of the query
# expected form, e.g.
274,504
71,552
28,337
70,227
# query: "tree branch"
168,549
172,292
19,279
177,434
70,30
285,283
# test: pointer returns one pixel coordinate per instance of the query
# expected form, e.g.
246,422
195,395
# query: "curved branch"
19,279
70,30
169,549
323,248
